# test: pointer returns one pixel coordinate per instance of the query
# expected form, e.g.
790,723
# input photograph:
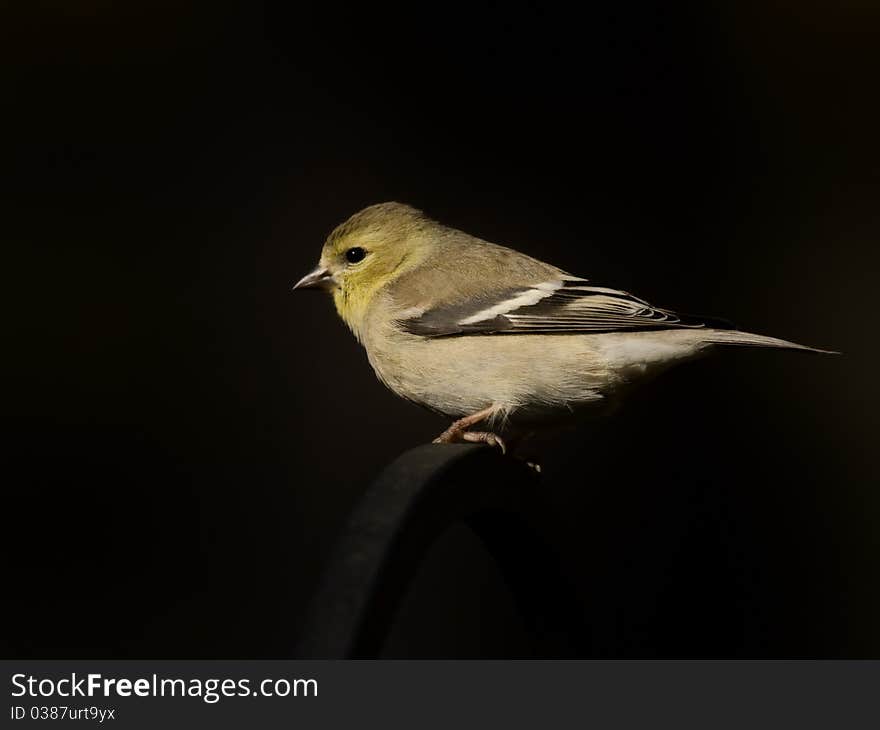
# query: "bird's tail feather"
747,339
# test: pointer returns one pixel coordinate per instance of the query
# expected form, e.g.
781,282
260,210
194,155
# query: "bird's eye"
353,255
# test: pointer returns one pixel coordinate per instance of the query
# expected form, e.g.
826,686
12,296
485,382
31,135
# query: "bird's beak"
320,278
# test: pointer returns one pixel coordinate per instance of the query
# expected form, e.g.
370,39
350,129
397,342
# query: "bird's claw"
474,437
484,437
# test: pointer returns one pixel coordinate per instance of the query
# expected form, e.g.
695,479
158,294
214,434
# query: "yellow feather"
353,298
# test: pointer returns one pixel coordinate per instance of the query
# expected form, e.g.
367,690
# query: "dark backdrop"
186,436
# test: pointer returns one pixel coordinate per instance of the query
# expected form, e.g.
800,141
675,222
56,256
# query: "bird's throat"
351,304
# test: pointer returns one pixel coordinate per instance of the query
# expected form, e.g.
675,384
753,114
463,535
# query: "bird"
498,342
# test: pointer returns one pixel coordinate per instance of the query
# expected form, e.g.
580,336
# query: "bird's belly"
525,377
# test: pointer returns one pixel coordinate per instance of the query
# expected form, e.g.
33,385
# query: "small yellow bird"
486,335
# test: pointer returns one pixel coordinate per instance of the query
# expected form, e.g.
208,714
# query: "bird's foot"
484,437
454,436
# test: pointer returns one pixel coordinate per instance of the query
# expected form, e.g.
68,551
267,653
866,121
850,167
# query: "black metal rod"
409,506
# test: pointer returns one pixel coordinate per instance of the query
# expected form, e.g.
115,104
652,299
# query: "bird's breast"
458,376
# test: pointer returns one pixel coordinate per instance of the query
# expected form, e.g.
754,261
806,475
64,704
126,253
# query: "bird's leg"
457,431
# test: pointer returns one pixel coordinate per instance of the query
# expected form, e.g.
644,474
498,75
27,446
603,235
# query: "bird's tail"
747,339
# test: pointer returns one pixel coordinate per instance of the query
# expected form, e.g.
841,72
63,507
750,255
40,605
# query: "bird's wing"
567,305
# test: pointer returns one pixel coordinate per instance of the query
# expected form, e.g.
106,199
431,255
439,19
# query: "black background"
187,436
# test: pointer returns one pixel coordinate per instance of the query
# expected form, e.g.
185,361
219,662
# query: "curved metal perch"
409,506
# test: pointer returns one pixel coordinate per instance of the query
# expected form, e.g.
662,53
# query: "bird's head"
366,252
